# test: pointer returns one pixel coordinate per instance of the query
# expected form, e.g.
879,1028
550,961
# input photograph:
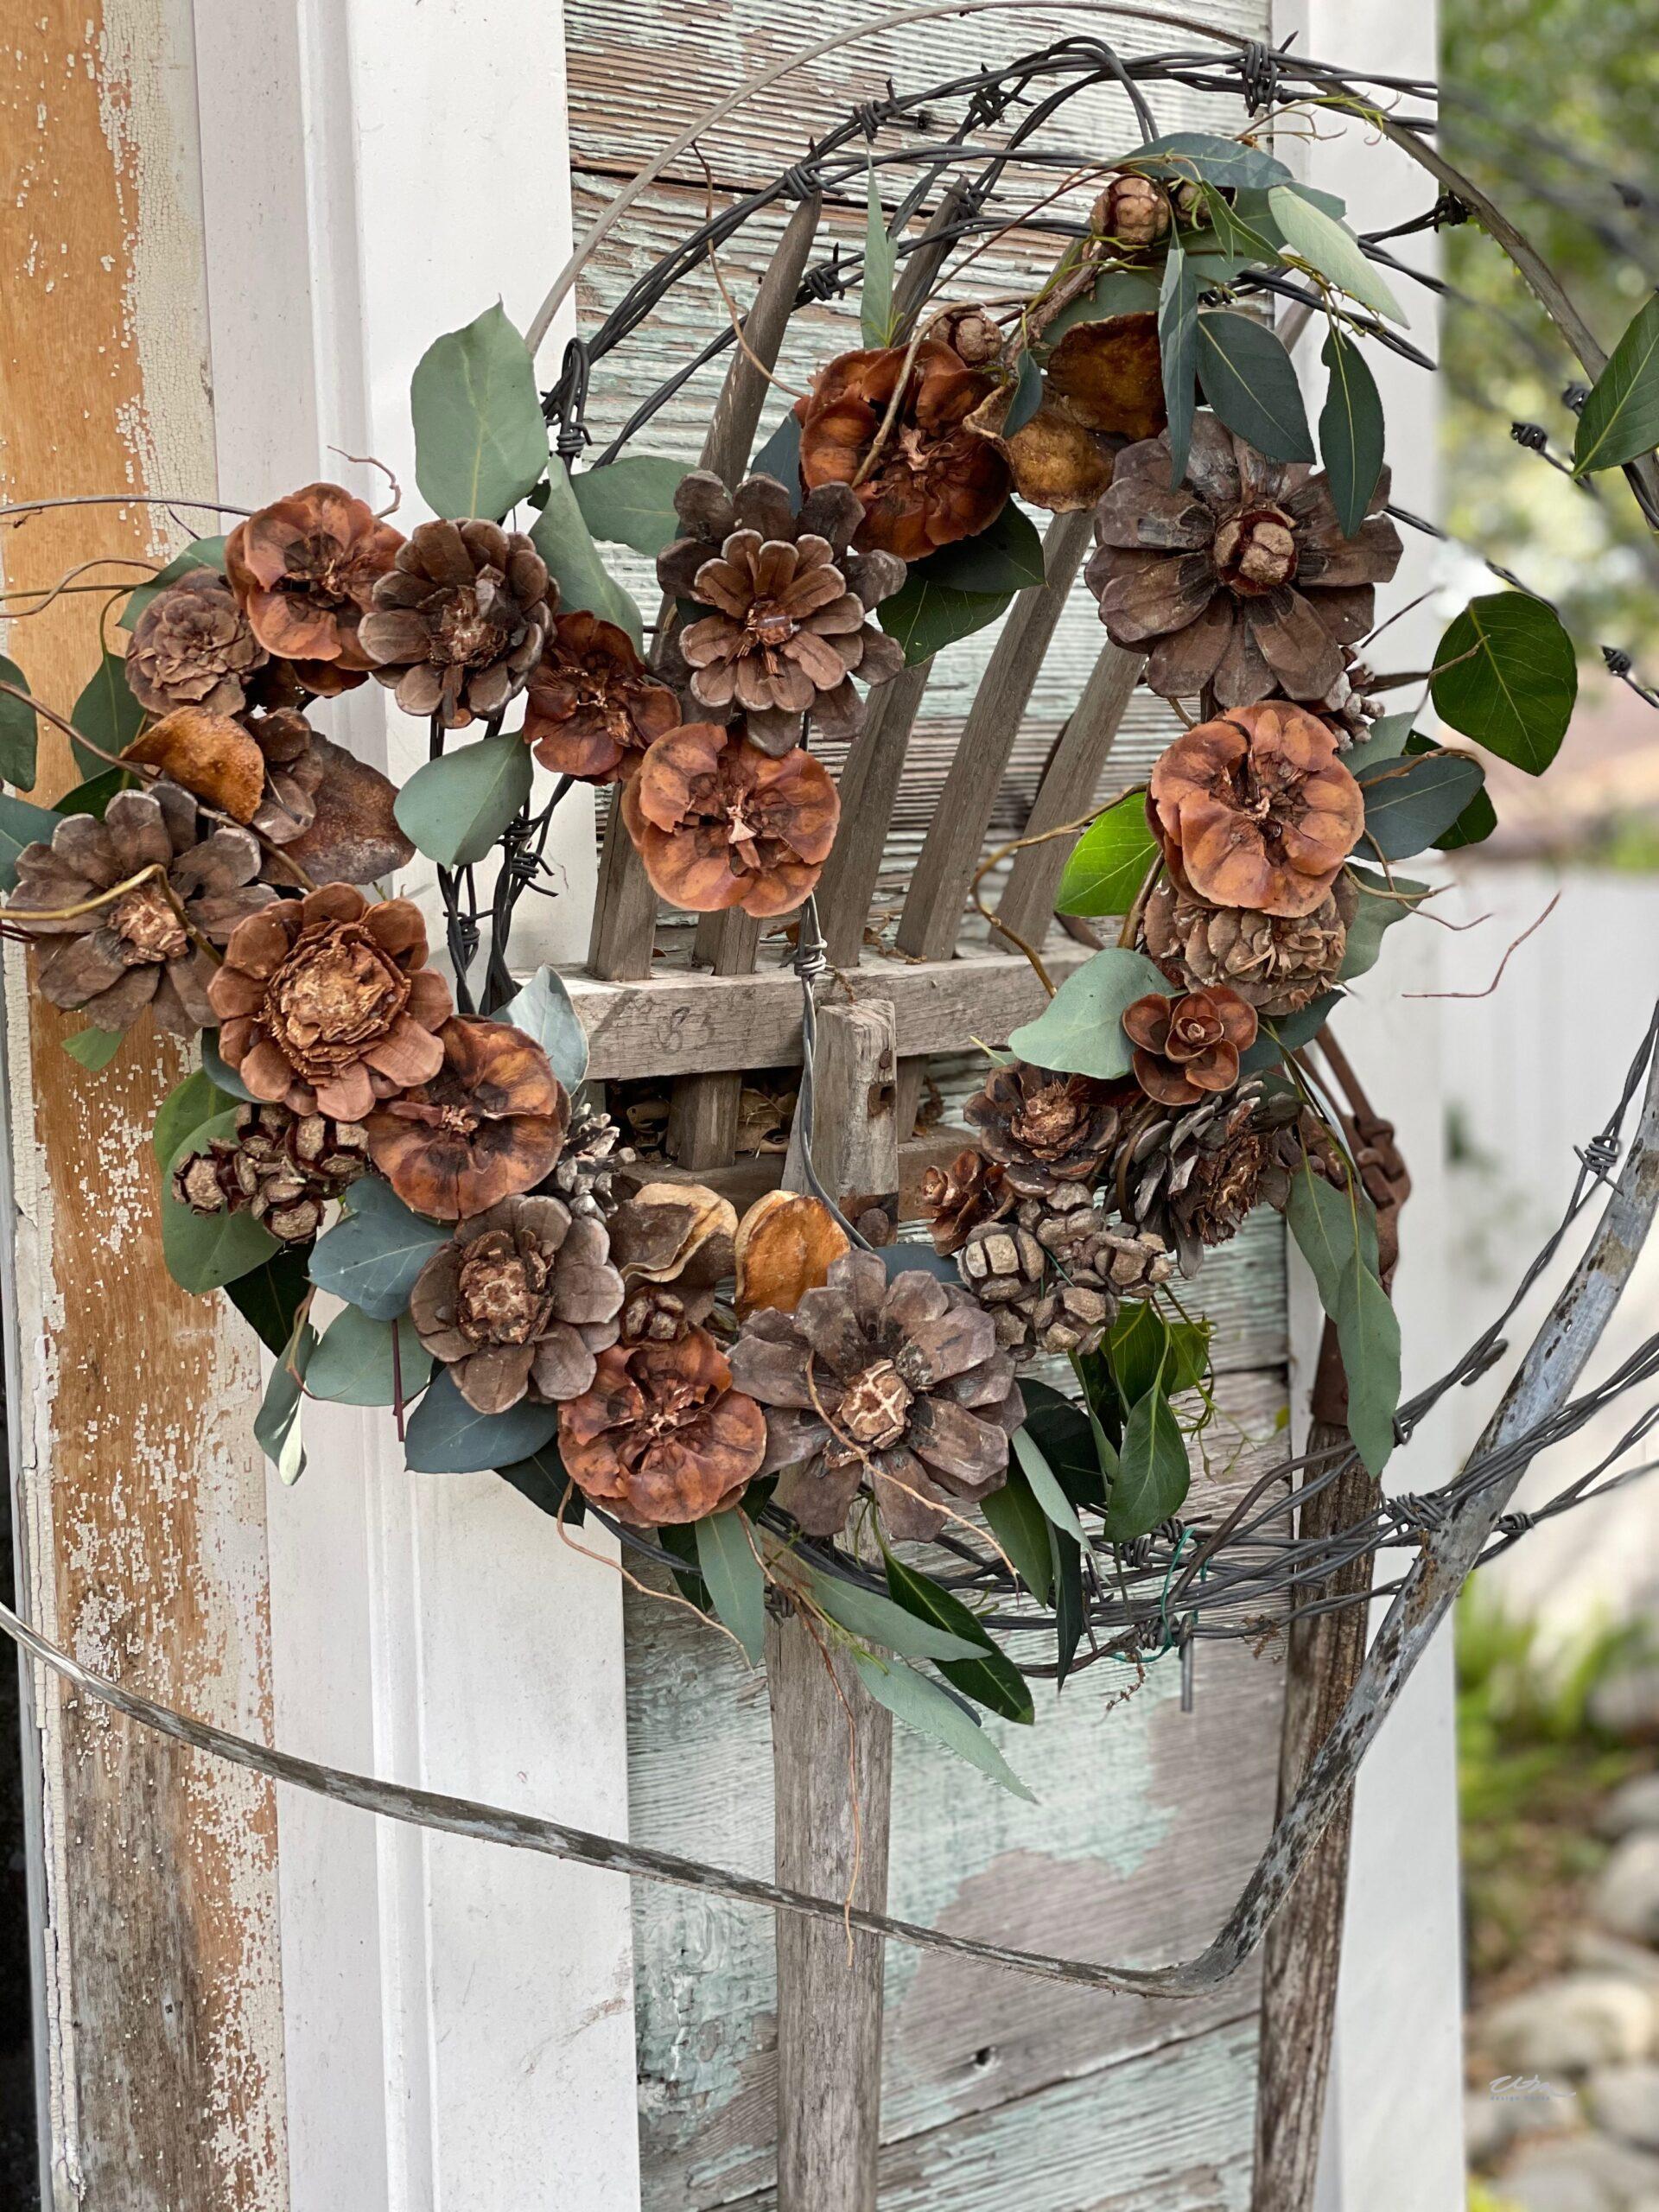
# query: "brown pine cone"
1053,1276
1044,1129
1194,1175
194,646
585,1171
956,1198
460,619
1278,963
283,1168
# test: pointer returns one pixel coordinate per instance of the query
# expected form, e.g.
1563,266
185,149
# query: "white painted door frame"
459,2019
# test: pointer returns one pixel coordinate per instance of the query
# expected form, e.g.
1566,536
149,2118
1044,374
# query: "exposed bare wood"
831,1742
624,906
1068,785
869,784
683,1022
142,1533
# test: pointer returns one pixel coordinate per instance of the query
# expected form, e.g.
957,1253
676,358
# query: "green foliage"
94,1048
881,256
269,1297
630,501
1336,1231
1177,346
363,1362
184,1107
1381,904
1045,1486
1350,430
542,1479
1250,383
204,1251
107,713
560,534
1154,1474
543,1010
372,1255
1027,395
480,438
1108,863
734,1577
1409,803
1005,556
910,1697
1620,420
1507,676
457,806
781,457
1080,1031
1118,291
1322,243
991,1680
1199,155
926,617
1476,822
19,730
876,1620
276,1424
20,825
220,1071
1021,1527
93,796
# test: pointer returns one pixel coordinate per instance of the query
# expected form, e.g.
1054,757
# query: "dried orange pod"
1110,376
213,758
681,1233
785,1244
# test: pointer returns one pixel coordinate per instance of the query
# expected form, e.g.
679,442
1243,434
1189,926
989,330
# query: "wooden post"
832,1829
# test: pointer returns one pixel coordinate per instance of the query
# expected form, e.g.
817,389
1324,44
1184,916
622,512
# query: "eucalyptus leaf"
184,1107
734,1577
1045,1486
630,501
1178,346
1006,557
204,1251
481,437
1384,740
780,459
1021,1527
1476,822
1507,676
1154,1474
200,553
276,1424
1381,904
372,1255
1070,1616
1368,1335
1250,383
1118,291
925,617
1412,801
269,1297
1107,865
220,1071
94,1048
560,534
875,298
1209,160
1146,1351
543,1010
1288,1032
454,808
107,713
1350,430
1330,1227
1063,1431
20,825
355,1363
1080,1032
868,1614
1236,238
1619,421
992,1678
19,729
1329,246
446,1436
910,1697
1027,395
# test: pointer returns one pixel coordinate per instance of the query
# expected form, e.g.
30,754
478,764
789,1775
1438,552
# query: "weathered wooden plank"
1068,786
683,1023
869,785
142,1535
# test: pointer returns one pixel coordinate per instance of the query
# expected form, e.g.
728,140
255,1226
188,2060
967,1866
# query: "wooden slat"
869,784
685,1023
1067,790
140,1493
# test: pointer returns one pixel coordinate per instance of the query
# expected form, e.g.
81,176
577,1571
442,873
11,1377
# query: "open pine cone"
1052,1276
1277,963
194,646
1191,1174
458,620
1043,1129
662,1436
719,824
303,571
283,1168
899,1382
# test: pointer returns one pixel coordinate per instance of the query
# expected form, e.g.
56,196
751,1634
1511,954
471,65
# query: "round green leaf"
185,1107
354,1365
1108,863
375,1251
1210,160
1080,1032
206,1251
926,617
1412,801
630,501
457,806
94,1048
480,438
543,1010
1007,556
560,534
446,1436
1508,676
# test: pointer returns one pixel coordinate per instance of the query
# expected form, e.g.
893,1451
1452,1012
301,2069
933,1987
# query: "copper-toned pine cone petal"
593,707
718,825
211,756
1043,1129
1256,810
460,619
957,1198
662,1439
303,571
934,480
490,1122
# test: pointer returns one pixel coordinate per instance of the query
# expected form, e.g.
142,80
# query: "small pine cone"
656,1314
1003,1267
1277,963
282,1167
586,1169
1071,1317
1190,1175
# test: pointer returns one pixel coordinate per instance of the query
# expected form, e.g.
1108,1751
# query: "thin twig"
1501,964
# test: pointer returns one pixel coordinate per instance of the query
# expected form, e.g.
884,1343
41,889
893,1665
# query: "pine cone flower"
662,1438
283,1168
518,1304
135,951
788,630
718,825
460,619
593,707
900,1382
1043,1129
934,480
489,1123
194,646
1256,810
1278,963
304,570
1132,213
326,1003
1188,1046
1240,579
957,1198
1192,1175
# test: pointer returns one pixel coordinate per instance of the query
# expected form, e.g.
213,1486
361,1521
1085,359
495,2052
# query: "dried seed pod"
283,1168
212,757
1133,212
1109,376
956,1200
785,1246
1280,963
